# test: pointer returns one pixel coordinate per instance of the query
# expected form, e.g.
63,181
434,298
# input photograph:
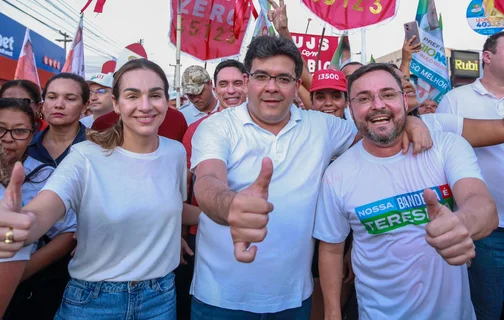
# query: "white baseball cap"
173,95
103,79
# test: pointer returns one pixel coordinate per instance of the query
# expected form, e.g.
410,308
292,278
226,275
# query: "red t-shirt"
173,127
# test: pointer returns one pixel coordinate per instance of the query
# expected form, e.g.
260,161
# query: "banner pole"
363,47
319,48
177,52
307,25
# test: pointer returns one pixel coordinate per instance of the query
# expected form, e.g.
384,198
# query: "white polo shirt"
443,122
192,114
473,101
280,277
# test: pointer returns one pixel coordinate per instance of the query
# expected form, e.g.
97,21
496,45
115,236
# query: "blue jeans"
486,276
203,311
150,299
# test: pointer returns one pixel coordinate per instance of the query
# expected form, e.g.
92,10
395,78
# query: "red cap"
328,79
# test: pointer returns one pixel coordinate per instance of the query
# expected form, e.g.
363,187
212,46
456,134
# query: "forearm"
214,198
304,94
479,215
405,66
10,275
331,275
56,249
190,215
483,133
48,208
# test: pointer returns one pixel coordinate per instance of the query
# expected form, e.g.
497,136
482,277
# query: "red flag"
240,11
26,68
75,59
499,5
207,29
352,14
98,7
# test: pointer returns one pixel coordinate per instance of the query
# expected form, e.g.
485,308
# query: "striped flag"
26,68
75,59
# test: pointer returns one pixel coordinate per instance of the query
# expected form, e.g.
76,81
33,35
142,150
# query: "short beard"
383,140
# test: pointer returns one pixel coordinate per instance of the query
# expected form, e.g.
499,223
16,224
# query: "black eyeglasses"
282,81
16,134
28,101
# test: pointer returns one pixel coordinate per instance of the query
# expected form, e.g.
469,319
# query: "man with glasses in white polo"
100,97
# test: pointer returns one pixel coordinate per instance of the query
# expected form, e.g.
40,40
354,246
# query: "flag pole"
177,52
363,47
319,48
307,25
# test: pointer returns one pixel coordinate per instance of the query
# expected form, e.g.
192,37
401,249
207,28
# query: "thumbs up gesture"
248,214
14,227
446,232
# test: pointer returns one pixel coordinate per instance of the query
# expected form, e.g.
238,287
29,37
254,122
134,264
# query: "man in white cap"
172,100
100,98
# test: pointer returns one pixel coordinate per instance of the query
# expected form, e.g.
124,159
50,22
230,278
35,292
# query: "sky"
126,21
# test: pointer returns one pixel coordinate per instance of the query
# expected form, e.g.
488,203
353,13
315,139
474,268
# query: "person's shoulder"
461,92
175,114
86,148
171,145
31,164
347,163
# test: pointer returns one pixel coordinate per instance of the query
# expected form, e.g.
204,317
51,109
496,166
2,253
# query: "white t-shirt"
473,101
129,209
30,190
280,277
87,121
398,275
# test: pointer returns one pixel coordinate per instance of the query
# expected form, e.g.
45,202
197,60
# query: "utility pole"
67,39
175,74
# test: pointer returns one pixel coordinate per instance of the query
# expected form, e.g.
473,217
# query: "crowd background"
42,128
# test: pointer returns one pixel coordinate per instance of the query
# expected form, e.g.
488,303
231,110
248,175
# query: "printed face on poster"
308,45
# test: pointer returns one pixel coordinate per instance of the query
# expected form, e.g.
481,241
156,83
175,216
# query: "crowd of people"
270,193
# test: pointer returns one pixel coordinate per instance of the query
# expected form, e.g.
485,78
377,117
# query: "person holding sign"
134,227
410,249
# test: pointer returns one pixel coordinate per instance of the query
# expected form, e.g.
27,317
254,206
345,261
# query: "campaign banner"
48,55
399,211
352,14
484,17
308,45
430,64
207,29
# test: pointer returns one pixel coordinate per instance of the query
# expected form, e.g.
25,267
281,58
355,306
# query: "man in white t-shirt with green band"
410,250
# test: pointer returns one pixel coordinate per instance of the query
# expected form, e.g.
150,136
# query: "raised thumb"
261,184
13,195
433,205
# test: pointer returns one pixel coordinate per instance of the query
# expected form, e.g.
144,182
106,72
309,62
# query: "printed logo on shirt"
395,212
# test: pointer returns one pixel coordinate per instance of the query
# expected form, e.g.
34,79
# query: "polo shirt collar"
36,143
195,112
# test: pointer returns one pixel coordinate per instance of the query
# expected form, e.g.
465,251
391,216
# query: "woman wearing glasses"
30,93
17,121
65,97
